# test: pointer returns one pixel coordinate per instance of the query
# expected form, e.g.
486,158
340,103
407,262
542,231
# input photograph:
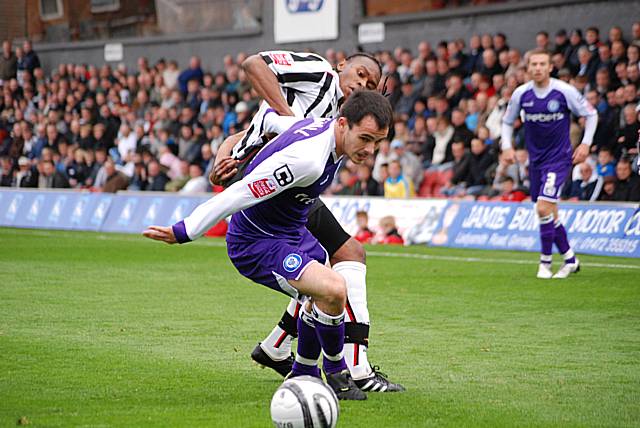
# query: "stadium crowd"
158,127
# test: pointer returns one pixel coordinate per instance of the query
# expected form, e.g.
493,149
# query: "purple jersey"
285,215
546,113
279,186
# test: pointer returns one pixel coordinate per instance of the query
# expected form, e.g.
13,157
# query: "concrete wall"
519,21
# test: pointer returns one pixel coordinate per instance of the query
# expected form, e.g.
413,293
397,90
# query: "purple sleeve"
180,232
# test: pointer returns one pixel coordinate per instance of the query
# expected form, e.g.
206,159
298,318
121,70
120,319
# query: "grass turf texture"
116,330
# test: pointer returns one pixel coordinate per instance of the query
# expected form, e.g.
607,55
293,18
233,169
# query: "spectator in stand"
363,234
396,185
193,72
542,40
461,132
8,62
31,60
588,186
389,232
411,165
509,192
479,163
197,182
365,185
50,178
6,172
628,135
114,179
460,170
156,178
627,183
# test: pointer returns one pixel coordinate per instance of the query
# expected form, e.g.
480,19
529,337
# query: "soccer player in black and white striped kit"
305,85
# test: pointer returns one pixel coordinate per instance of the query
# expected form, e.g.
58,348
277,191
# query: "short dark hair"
364,103
366,55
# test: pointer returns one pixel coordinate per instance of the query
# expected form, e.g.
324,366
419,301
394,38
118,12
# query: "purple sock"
562,243
547,234
330,332
306,362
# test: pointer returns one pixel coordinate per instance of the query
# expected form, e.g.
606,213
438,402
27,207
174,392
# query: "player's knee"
544,209
352,251
336,291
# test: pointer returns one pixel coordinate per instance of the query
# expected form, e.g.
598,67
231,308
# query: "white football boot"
567,269
544,271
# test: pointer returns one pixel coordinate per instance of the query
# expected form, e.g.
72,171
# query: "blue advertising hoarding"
612,230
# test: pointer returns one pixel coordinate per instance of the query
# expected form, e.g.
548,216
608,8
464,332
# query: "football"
304,402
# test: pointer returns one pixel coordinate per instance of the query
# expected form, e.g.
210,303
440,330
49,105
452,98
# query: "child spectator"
389,231
364,234
396,185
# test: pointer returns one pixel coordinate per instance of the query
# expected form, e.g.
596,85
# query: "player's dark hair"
364,103
366,55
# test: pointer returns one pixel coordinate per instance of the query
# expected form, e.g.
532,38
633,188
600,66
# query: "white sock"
278,344
355,275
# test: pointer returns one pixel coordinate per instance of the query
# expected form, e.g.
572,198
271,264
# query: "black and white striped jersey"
309,85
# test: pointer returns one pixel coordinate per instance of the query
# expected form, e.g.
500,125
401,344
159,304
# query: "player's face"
361,140
358,73
540,68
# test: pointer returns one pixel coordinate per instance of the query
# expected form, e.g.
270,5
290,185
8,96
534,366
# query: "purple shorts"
274,261
547,180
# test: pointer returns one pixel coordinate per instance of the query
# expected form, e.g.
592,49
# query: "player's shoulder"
522,89
289,58
563,87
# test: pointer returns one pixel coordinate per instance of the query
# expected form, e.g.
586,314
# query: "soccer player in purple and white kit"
547,104
267,240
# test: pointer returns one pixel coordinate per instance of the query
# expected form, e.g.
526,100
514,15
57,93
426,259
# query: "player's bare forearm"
160,233
266,84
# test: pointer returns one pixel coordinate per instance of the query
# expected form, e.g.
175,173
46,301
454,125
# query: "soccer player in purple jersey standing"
268,241
547,105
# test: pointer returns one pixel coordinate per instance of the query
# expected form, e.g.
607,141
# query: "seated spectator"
363,234
443,137
50,178
396,185
389,232
114,179
606,166
6,171
509,192
411,165
456,184
628,135
589,186
156,178
479,163
197,182
627,183
365,185
608,189
24,177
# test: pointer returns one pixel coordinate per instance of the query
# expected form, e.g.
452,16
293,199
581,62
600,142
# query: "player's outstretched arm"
265,82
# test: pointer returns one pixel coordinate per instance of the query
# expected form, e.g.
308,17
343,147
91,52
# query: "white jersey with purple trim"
547,118
308,83
295,167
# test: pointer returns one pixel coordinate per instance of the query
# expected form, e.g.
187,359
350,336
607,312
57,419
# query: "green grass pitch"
115,330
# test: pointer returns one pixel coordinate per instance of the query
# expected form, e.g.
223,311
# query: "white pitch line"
209,243
486,260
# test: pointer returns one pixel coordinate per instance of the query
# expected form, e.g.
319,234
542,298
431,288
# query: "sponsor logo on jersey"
292,262
528,104
263,187
283,175
553,106
543,117
281,58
